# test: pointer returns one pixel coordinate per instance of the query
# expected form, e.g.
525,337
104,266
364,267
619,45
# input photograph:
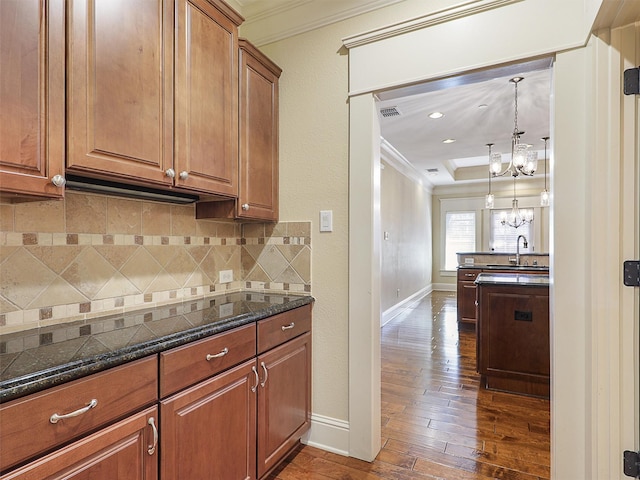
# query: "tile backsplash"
91,255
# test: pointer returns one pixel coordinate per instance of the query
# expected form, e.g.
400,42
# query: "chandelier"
523,161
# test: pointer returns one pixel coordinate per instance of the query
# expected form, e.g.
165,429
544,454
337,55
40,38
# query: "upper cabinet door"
206,99
120,89
31,97
258,194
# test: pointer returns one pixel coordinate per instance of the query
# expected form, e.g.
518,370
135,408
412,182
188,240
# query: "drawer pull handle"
55,418
469,274
152,448
255,372
224,351
266,374
288,327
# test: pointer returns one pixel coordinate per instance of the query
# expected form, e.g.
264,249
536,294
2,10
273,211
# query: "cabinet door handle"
224,351
55,418
170,172
152,448
288,327
255,372
266,374
184,175
245,206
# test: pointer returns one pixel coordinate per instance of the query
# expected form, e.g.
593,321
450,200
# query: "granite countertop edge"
504,267
513,279
21,386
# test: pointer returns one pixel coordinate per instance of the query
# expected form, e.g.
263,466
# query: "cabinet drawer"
278,329
187,365
468,274
27,428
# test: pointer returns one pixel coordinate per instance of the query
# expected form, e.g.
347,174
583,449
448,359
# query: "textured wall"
406,254
90,255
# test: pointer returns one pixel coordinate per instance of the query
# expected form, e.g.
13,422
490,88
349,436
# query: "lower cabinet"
126,449
284,400
209,430
231,407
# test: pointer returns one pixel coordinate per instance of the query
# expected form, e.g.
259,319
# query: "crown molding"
395,159
464,9
268,25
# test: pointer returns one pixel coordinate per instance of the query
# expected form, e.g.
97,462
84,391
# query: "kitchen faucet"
524,244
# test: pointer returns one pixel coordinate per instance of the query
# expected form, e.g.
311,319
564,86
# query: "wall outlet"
226,276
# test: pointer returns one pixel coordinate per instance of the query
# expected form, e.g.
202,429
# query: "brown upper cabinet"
128,117
32,97
258,141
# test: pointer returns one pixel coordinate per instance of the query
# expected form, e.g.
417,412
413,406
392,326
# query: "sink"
520,267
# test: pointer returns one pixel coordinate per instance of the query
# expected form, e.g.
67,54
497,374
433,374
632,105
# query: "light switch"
326,220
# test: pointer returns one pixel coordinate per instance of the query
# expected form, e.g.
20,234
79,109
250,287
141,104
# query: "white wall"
405,210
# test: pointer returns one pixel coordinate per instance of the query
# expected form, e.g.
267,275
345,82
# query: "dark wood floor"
437,423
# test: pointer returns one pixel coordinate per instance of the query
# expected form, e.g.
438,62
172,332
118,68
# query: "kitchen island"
513,351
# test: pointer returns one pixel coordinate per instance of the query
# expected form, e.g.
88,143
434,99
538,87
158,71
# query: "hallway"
436,421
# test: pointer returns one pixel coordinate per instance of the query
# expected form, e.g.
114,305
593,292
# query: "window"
460,236
503,237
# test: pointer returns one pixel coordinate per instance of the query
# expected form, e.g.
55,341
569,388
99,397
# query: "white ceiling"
416,137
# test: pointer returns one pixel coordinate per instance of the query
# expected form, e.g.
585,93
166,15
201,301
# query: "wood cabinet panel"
209,431
118,391
513,339
206,100
284,400
280,328
187,365
121,450
32,93
466,300
120,89
258,193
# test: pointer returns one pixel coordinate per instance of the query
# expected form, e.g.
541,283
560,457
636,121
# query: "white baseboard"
392,312
328,434
445,287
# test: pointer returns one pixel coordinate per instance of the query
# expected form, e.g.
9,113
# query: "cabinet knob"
245,206
184,175
58,180
170,172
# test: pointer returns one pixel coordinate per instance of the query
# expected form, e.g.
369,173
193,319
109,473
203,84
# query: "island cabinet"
513,346
258,142
467,291
111,404
32,86
466,295
152,93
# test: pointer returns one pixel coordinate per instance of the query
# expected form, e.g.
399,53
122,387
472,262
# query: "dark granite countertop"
513,279
504,267
36,359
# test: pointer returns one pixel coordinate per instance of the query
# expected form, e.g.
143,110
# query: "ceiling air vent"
390,112
432,172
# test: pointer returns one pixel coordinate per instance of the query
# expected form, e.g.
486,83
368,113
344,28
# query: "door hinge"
632,273
631,464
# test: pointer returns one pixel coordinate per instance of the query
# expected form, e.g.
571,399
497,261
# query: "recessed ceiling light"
449,140
436,115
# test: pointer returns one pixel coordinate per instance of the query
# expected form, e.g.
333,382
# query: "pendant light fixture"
524,160
544,195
